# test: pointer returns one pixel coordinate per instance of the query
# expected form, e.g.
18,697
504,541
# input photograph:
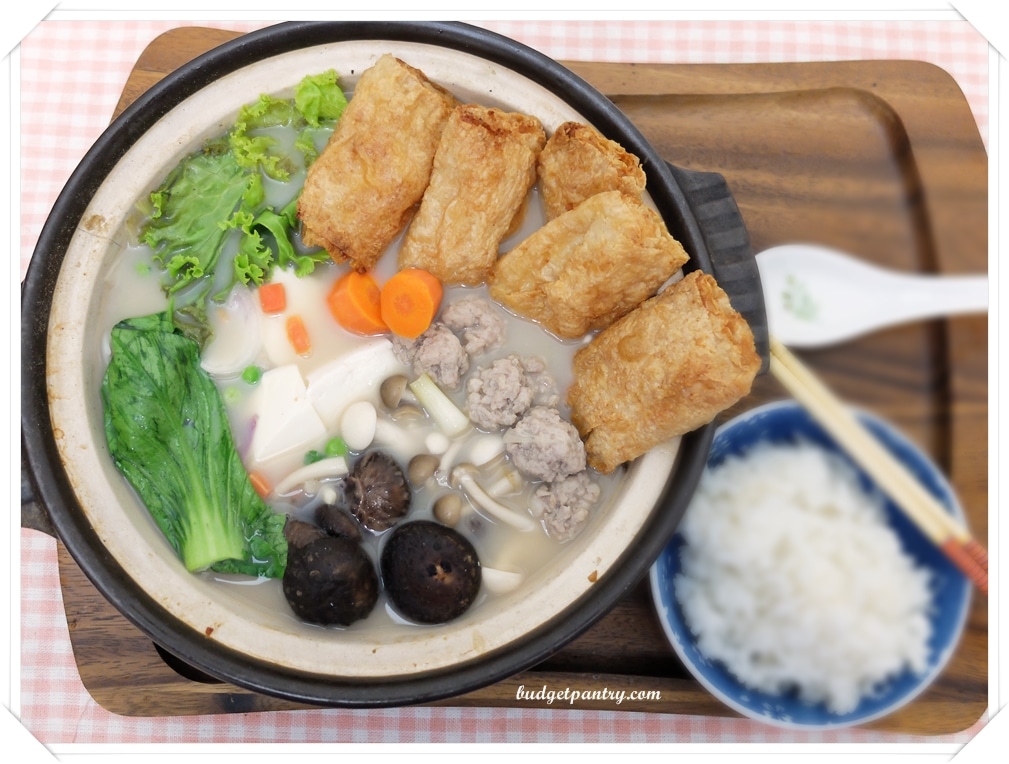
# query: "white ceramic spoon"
816,296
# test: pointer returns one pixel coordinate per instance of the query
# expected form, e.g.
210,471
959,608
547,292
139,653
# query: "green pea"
337,447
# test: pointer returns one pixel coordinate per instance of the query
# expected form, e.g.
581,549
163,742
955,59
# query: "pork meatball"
544,446
476,323
499,393
566,505
438,352
542,382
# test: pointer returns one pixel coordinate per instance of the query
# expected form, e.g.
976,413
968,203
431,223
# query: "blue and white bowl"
787,422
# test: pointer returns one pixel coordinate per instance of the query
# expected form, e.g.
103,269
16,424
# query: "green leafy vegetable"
185,230
277,223
258,151
319,98
318,101
169,434
214,201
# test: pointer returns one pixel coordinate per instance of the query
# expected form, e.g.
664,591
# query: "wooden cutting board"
879,158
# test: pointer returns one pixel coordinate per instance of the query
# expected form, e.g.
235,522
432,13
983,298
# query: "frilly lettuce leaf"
185,229
259,151
217,194
320,99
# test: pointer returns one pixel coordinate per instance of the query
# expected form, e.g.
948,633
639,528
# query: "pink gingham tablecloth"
71,74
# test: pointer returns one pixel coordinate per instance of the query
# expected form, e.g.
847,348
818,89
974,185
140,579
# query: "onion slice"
237,336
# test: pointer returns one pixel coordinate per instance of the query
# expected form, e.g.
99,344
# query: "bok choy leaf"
169,435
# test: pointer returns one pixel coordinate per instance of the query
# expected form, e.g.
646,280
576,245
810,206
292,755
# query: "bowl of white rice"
794,590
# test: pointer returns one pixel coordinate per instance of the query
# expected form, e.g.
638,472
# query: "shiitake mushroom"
431,572
299,533
329,580
377,492
336,522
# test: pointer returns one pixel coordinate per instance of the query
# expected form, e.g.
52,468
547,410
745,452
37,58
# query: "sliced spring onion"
449,417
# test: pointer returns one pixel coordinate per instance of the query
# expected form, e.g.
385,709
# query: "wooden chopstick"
918,504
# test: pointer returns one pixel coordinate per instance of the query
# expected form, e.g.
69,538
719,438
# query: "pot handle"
732,260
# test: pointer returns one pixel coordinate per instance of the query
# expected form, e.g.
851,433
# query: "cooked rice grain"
791,577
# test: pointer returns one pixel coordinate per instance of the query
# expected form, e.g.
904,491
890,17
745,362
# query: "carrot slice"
297,334
273,297
410,300
260,484
355,303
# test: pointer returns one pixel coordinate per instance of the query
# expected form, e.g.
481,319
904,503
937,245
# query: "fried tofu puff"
586,268
578,162
482,173
364,186
665,369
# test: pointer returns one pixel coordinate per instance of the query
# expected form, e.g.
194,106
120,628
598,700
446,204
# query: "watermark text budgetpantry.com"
570,696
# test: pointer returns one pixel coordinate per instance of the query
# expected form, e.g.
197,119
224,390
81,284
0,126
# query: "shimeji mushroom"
463,477
333,467
421,468
392,389
448,509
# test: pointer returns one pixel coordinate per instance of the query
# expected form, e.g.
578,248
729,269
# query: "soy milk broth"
133,290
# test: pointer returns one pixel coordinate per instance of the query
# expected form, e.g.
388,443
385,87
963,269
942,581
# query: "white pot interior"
269,631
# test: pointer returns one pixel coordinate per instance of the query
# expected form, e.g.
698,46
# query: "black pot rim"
50,482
